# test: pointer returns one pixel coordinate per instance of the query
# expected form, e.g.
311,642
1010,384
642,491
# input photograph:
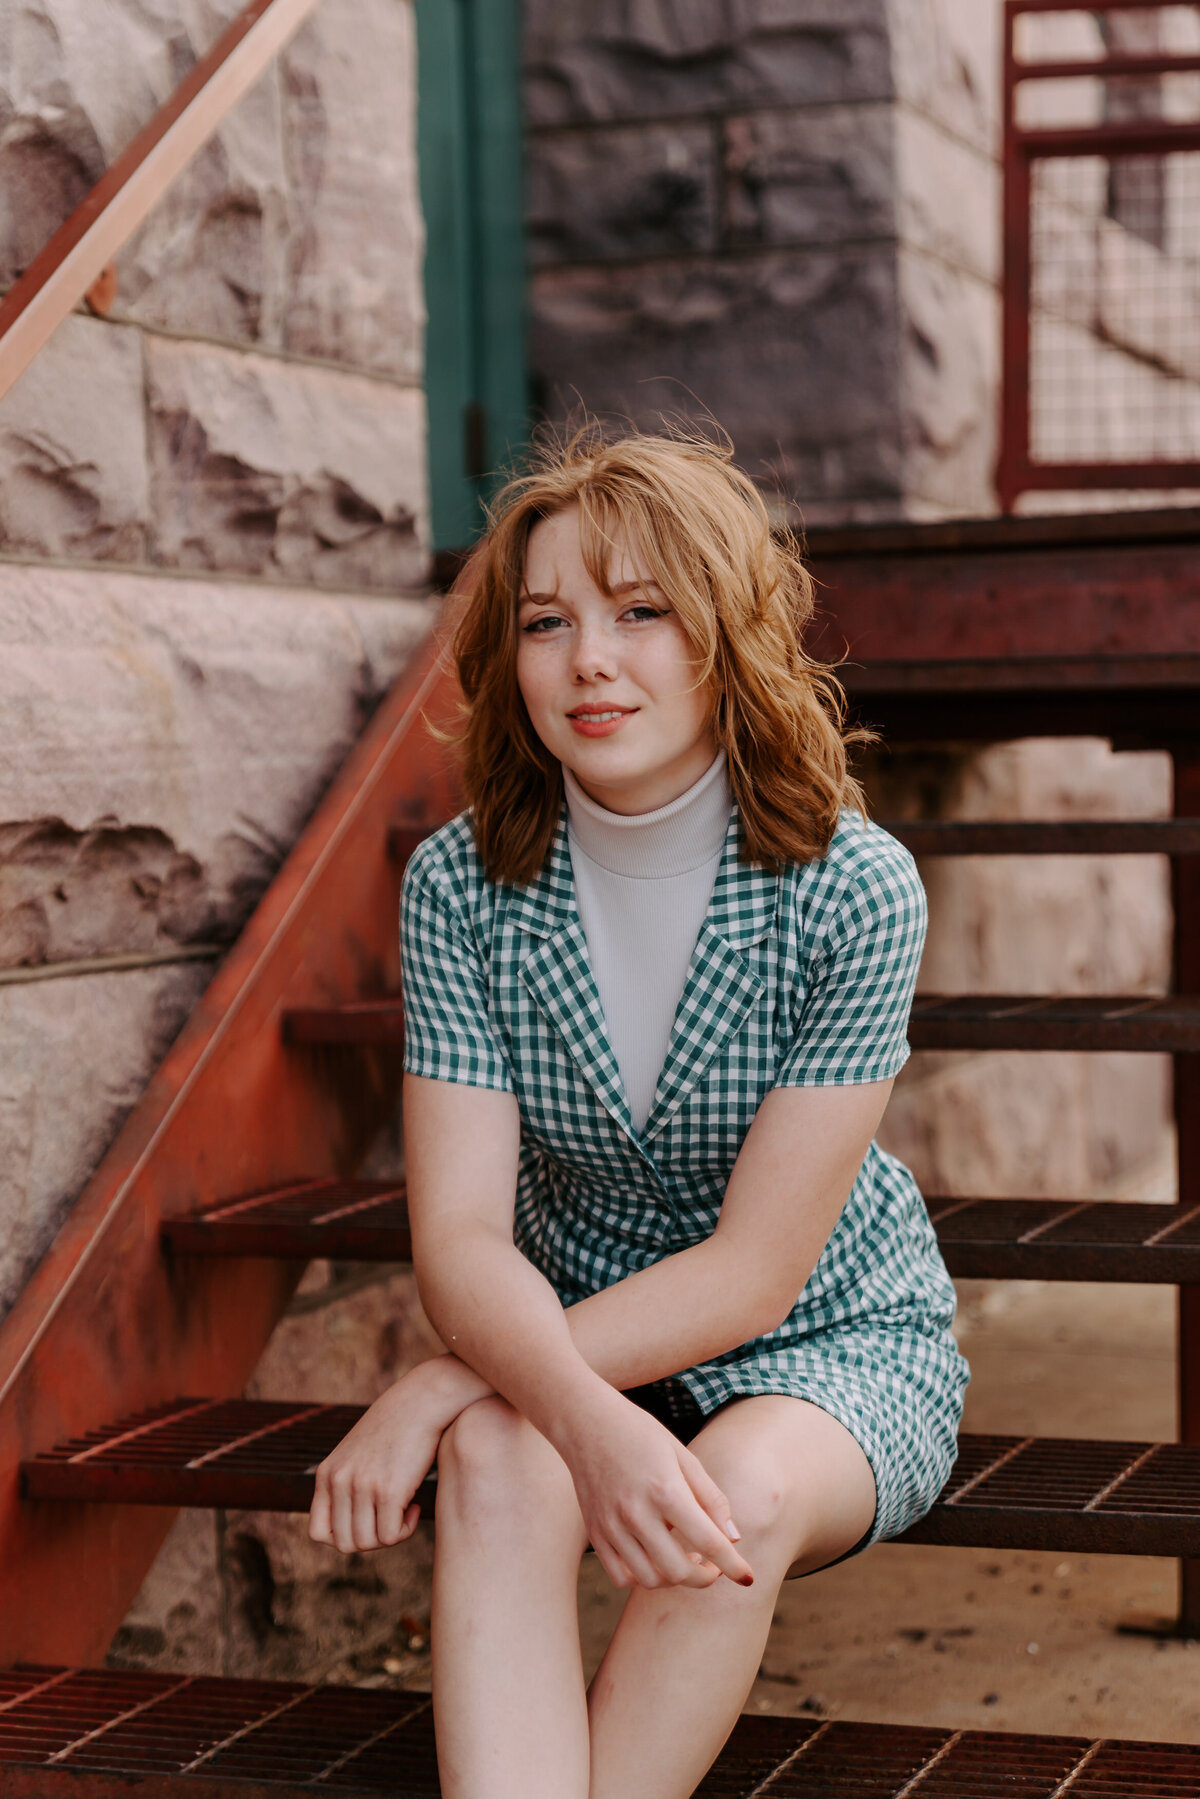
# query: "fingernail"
732,1531
747,1580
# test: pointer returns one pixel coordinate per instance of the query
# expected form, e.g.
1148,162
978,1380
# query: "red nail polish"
747,1580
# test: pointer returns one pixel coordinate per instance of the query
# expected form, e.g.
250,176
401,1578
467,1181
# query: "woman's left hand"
365,1487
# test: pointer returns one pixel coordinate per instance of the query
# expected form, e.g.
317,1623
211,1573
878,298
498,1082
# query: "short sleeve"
854,1022
448,1030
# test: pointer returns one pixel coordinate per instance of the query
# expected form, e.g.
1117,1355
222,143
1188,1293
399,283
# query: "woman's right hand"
654,1515
365,1487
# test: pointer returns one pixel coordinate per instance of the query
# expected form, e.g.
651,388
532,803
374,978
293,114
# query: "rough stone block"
211,260
161,744
640,59
625,191
297,225
949,378
946,57
77,1054
807,177
76,84
354,288
263,467
947,196
73,478
792,352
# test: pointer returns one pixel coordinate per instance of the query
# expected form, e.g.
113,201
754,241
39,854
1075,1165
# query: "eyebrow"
538,599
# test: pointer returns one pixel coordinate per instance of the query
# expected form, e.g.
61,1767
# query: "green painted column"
470,155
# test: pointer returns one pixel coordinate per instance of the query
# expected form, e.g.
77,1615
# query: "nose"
593,653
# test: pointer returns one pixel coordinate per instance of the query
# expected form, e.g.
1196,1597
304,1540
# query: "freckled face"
611,685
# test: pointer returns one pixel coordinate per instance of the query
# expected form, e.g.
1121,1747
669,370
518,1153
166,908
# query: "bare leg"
682,1661
509,1702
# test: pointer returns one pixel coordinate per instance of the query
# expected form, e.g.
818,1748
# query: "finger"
666,1552
389,1516
318,1517
412,1518
363,1524
704,1574
709,1494
638,1560
342,1509
618,1571
701,1533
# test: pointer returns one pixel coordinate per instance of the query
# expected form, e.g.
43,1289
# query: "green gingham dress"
801,979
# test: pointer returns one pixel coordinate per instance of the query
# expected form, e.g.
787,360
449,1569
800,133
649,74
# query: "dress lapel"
558,976
720,987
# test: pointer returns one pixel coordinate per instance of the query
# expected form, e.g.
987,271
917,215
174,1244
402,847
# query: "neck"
670,840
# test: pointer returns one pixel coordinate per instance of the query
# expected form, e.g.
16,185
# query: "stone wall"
212,564
785,216
250,410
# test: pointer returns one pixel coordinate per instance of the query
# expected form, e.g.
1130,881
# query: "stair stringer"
109,1323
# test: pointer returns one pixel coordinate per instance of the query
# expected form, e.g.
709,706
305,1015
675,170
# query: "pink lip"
589,726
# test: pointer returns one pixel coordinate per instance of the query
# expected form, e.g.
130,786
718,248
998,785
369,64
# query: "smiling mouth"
601,718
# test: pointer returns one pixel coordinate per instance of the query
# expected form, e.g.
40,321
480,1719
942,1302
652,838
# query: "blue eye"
535,626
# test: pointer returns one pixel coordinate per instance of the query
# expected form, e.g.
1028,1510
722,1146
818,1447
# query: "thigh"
800,1486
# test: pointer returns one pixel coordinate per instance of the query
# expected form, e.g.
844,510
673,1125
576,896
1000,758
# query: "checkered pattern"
800,979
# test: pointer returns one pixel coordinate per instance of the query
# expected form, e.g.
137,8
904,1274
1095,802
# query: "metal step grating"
345,1219
1168,1024
1006,1492
1048,837
998,1239
99,1732
1068,1240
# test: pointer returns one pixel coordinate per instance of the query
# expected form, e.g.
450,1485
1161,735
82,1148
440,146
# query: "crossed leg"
513,1717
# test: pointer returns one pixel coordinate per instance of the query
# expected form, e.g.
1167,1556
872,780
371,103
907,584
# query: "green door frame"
470,158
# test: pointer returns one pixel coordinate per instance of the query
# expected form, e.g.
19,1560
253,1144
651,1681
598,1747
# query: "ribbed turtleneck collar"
649,846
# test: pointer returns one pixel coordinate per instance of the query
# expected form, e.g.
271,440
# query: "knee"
491,1461
758,1501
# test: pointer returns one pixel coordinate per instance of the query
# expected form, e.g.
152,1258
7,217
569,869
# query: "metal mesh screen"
1102,261
1115,308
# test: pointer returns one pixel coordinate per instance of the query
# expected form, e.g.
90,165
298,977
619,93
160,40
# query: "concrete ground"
984,1639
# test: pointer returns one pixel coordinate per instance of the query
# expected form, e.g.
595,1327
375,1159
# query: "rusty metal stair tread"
1000,1239
1166,1023
1068,1239
1022,1493
1014,674
344,1219
99,1731
1048,837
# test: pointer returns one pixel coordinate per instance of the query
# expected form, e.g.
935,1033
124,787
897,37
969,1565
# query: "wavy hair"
742,596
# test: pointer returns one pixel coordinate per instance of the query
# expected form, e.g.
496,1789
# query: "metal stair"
115,1734
1074,1495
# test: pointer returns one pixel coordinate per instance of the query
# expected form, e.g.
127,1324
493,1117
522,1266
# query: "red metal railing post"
1186,895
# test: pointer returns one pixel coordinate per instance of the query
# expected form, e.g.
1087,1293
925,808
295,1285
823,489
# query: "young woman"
657,981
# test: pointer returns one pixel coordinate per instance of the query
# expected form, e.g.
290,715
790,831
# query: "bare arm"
509,1334
791,1179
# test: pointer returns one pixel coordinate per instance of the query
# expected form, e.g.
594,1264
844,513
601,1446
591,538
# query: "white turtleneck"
642,885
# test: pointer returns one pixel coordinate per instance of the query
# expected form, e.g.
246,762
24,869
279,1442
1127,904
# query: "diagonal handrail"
62,273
